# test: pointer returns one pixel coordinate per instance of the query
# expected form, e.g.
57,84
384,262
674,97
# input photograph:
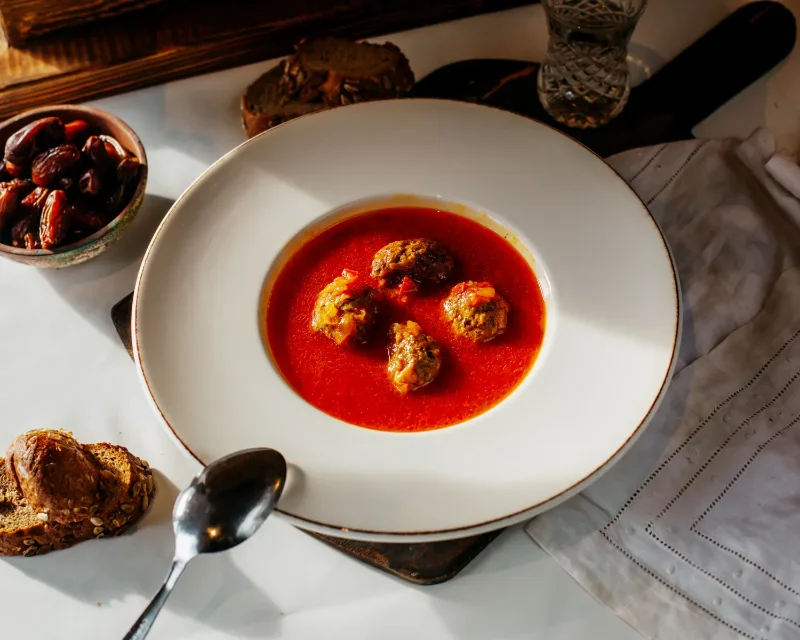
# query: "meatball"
414,357
420,259
345,309
476,311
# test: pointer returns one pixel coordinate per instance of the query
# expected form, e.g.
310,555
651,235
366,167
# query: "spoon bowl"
224,505
228,501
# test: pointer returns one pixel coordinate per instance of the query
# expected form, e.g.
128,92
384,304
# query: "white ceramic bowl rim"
665,269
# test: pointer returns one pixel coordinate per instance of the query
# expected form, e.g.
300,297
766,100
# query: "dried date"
90,183
127,175
24,233
128,170
52,165
37,136
9,201
104,153
34,201
84,220
115,151
32,242
11,193
54,224
24,186
113,200
94,150
15,170
76,132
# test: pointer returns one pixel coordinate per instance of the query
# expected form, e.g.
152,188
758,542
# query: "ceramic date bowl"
606,274
93,245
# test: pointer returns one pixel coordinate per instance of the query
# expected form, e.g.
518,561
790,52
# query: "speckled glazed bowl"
95,244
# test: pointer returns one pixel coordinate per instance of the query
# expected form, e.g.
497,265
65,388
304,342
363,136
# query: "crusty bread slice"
126,491
335,72
322,74
263,108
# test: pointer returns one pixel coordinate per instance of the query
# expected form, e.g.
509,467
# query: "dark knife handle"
722,63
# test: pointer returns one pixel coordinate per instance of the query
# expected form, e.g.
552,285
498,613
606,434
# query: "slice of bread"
336,72
321,74
125,491
263,107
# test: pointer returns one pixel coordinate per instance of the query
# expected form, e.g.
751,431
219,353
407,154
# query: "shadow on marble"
94,287
213,590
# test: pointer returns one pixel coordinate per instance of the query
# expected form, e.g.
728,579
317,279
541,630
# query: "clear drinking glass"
584,80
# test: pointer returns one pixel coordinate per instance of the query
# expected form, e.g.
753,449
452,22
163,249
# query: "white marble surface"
63,366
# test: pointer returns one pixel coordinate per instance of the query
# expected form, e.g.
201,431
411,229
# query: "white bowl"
613,317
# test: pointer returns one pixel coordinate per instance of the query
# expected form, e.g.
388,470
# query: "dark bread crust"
54,472
262,107
126,489
337,72
322,74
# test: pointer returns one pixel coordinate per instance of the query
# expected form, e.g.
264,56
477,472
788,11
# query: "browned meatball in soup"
414,357
476,311
419,259
345,309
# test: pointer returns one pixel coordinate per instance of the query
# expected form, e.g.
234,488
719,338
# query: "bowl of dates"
71,181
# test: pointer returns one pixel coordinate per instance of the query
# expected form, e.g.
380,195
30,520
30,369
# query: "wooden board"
26,19
179,38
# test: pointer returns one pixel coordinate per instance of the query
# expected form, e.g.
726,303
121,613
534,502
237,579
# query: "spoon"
224,505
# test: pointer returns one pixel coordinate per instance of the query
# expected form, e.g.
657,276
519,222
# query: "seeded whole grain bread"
55,492
262,107
321,74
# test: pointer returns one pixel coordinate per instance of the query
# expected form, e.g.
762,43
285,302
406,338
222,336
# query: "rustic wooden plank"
26,19
180,38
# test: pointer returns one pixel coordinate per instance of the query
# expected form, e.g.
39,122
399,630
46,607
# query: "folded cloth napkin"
695,533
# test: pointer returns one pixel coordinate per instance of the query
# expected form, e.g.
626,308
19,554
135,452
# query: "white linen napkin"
695,533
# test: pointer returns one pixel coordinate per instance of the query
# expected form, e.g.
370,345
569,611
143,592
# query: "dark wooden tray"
26,19
726,60
665,108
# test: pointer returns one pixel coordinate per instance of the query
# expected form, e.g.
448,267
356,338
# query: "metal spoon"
224,505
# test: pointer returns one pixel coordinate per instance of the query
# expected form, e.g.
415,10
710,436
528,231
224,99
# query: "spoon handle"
141,627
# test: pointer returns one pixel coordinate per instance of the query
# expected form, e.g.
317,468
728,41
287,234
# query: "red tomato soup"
351,382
